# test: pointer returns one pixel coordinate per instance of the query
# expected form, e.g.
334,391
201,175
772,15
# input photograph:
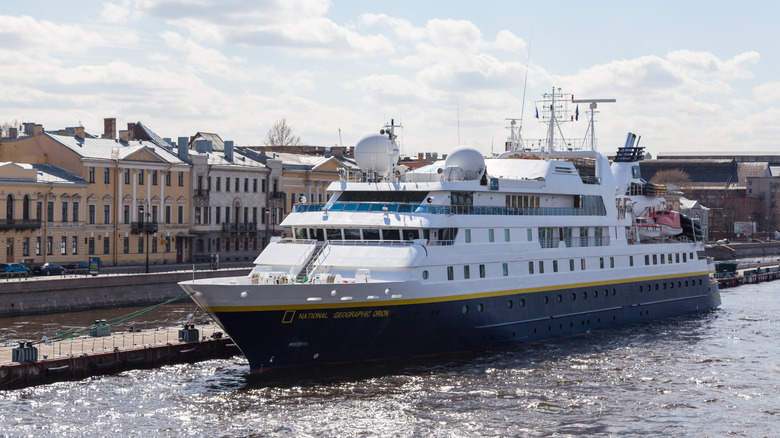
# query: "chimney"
78,132
109,127
13,133
37,129
183,146
229,150
124,135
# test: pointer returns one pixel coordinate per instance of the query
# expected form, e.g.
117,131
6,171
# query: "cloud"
300,26
26,34
115,13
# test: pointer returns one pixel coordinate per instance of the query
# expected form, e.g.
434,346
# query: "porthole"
465,309
546,300
509,304
584,295
480,307
595,294
573,296
656,286
700,282
671,285
425,275
614,291
560,298
522,302
664,286
640,288
686,283
679,284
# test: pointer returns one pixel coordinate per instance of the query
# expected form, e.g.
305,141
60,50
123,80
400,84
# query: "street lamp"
146,231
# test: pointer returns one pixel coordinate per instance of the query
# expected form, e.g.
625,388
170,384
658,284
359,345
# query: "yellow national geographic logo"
288,317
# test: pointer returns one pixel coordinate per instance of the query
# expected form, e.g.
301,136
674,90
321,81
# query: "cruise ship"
463,255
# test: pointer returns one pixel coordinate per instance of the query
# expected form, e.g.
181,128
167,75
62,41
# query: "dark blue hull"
279,339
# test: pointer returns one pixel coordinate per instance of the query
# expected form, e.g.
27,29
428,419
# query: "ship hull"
279,337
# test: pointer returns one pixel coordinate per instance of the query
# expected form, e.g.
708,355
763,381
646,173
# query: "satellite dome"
376,153
467,161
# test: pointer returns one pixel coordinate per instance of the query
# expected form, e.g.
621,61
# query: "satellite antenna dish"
301,199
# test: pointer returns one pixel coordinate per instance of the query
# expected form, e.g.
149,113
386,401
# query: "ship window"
692,257
685,257
630,260
480,307
546,300
655,259
509,304
465,309
541,267
467,235
333,233
481,271
571,264
316,234
411,234
351,234
506,269
425,275
656,286
582,264
647,259
573,296
506,234
390,234
450,273
601,262
596,293
300,233
611,262
466,272
530,234
584,295
560,298
555,265
677,258
670,259
522,302
491,235
640,288
530,267
370,234
663,259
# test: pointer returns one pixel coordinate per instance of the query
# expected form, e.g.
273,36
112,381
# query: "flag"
577,113
537,113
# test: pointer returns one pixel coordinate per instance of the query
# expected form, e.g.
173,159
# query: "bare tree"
281,135
677,177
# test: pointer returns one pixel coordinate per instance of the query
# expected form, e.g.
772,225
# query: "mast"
591,126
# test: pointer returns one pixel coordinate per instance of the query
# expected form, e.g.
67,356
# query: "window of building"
262,189
75,211
91,219
167,214
154,177
91,246
246,184
126,245
50,211
37,246
154,244
227,183
181,179
168,178
237,182
64,211
25,246
140,177
107,175
74,245
106,245
181,214
64,245
126,213
218,215
219,183
49,245
254,185
140,245
91,174
106,214
127,176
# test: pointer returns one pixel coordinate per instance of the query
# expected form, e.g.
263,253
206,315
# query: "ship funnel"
630,140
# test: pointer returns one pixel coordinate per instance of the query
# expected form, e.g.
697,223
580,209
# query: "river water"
713,374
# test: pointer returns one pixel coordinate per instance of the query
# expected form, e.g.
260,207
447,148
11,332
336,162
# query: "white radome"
376,153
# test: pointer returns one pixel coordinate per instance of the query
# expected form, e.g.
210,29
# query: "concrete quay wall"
739,250
67,294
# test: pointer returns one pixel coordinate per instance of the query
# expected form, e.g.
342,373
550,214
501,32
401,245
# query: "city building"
31,197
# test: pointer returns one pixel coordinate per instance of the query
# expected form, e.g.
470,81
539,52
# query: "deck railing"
588,210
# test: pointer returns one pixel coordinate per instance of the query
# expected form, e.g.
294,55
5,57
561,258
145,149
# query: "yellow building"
135,206
29,197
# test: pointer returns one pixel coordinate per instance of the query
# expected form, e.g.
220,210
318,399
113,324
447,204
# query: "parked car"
14,269
77,268
49,269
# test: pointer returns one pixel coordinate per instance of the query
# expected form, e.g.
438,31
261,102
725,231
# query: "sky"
687,76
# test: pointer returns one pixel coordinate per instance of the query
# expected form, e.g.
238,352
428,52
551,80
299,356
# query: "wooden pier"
86,356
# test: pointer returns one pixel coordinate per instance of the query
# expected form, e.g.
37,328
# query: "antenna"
591,127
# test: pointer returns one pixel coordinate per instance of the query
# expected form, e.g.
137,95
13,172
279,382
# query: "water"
714,374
